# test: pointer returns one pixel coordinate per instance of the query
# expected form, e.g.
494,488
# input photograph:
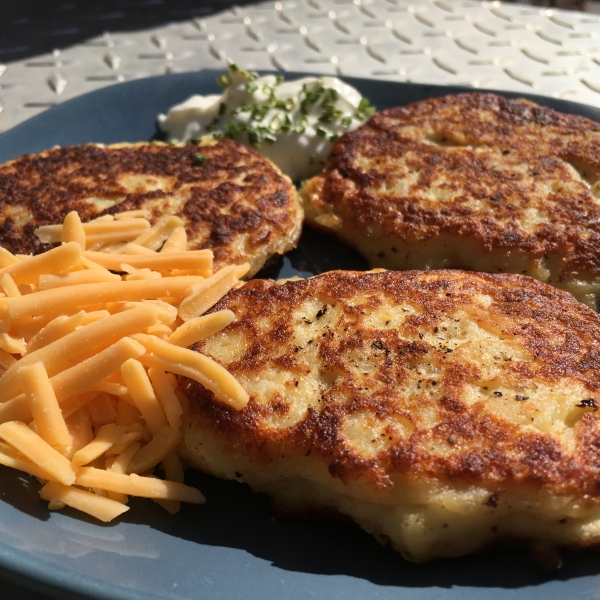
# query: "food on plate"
472,181
230,199
89,345
293,123
442,410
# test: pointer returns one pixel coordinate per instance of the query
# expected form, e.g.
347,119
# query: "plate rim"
34,572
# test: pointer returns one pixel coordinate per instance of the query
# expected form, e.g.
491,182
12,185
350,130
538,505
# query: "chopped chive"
233,68
252,75
346,121
259,112
334,137
311,159
222,108
251,87
232,129
364,109
173,142
290,103
363,104
254,138
335,95
223,81
300,125
330,113
278,79
276,123
199,159
194,140
321,132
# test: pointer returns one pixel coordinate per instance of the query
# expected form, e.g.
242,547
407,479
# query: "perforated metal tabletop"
48,58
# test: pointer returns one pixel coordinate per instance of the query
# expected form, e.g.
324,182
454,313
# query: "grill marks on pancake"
235,203
449,375
506,173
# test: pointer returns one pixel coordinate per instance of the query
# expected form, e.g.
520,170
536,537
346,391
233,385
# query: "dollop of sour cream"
293,123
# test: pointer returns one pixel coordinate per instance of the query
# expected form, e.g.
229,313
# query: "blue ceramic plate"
233,547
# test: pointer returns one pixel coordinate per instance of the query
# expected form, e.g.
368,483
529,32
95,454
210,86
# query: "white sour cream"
294,123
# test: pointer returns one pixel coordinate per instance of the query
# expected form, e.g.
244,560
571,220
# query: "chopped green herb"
222,108
260,112
300,125
364,109
217,134
330,113
254,138
242,108
334,94
276,123
173,142
233,68
290,103
279,80
194,140
287,124
223,81
321,132
363,104
252,75
334,137
251,87
346,121
199,159
233,129
311,159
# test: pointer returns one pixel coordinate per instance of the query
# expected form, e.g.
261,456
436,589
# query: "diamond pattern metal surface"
459,42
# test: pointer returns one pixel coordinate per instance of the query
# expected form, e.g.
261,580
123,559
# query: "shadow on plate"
235,517
316,253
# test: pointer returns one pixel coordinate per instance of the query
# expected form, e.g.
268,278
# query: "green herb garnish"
224,81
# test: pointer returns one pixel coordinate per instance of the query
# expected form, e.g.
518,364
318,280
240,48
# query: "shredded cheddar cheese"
91,335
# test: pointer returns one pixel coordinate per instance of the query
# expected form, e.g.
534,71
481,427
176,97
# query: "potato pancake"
231,199
443,411
472,181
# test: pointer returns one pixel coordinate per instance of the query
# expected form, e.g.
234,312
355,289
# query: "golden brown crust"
236,203
460,378
506,175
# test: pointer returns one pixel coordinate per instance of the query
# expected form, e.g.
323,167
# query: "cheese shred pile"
92,334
